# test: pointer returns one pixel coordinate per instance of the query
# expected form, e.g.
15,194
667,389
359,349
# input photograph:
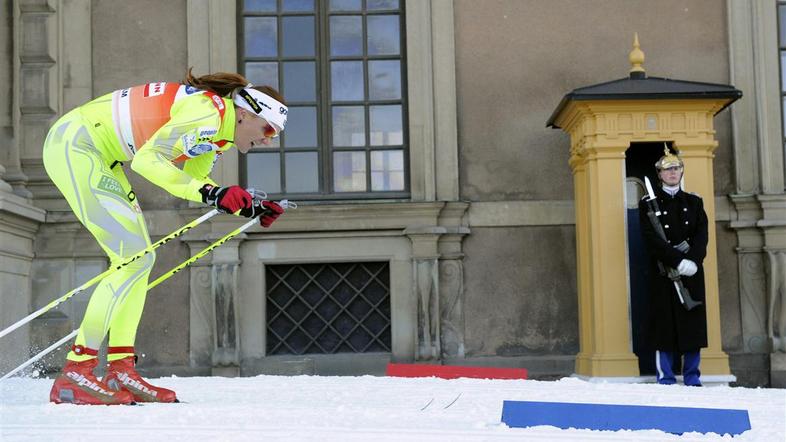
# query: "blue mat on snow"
676,420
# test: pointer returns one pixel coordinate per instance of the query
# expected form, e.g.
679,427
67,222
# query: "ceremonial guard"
674,226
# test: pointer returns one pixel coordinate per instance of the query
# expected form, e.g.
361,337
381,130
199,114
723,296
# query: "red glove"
226,199
267,211
271,213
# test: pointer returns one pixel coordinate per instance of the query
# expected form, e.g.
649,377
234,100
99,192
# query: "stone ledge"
19,206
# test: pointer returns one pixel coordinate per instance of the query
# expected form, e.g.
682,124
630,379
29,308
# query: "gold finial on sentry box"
636,58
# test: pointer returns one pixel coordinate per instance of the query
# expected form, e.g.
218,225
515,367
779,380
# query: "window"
340,66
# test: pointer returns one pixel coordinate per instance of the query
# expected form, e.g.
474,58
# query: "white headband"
263,105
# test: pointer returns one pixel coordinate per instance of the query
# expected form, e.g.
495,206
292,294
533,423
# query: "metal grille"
328,308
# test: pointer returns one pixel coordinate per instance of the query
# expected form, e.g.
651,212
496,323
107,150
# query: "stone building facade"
480,255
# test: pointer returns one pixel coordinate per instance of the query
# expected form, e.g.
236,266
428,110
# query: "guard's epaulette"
694,194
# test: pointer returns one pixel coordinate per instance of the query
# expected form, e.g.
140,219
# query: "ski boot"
121,376
78,385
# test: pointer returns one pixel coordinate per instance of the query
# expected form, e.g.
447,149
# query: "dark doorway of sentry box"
640,159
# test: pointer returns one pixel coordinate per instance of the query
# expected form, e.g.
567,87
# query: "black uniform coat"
670,326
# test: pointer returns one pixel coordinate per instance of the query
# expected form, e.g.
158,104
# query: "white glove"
687,267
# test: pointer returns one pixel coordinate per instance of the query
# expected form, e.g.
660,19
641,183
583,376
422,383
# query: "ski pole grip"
287,204
257,194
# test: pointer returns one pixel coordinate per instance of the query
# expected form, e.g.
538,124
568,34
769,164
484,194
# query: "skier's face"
252,131
671,176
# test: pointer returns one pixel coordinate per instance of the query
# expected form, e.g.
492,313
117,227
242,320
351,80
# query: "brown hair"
224,83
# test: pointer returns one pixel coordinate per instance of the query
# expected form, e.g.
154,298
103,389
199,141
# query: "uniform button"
665,212
686,222
685,209
666,226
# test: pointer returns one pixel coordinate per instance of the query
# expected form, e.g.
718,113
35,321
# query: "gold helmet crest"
668,160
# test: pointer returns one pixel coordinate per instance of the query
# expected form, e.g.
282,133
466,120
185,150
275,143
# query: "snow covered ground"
361,408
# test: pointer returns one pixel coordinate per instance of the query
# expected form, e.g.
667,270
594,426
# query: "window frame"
781,83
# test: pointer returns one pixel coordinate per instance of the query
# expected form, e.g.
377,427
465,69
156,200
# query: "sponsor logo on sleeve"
199,149
188,140
206,133
153,89
219,102
191,89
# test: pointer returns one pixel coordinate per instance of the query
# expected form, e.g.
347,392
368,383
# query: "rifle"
653,212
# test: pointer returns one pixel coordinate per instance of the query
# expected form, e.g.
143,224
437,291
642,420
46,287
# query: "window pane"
349,171
387,170
260,37
346,80
346,35
298,36
384,80
349,126
374,5
782,24
300,82
263,74
385,122
302,173
260,5
783,69
383,35
297,5
301,130
345,5
263,171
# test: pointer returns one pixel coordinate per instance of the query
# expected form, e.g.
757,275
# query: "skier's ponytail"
224,83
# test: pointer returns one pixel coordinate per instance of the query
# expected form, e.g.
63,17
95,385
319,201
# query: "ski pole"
283,203
108,271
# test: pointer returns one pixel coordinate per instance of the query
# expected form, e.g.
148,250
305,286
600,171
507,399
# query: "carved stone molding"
753,300
224,290
451,288
427,294
201,323
776,300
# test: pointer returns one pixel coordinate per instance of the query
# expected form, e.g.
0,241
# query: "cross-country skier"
172,134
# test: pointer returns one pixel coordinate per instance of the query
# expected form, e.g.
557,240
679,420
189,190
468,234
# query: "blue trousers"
664,360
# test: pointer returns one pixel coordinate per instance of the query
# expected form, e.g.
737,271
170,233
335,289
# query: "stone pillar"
226,343
36,101
18,225
426,289
451,279
213,331
201,323
773,226
451,295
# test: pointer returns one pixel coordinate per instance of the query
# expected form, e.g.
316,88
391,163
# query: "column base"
714,363
607,365
227,371
778,370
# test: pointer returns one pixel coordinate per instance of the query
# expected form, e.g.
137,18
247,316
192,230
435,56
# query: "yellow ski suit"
157,127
